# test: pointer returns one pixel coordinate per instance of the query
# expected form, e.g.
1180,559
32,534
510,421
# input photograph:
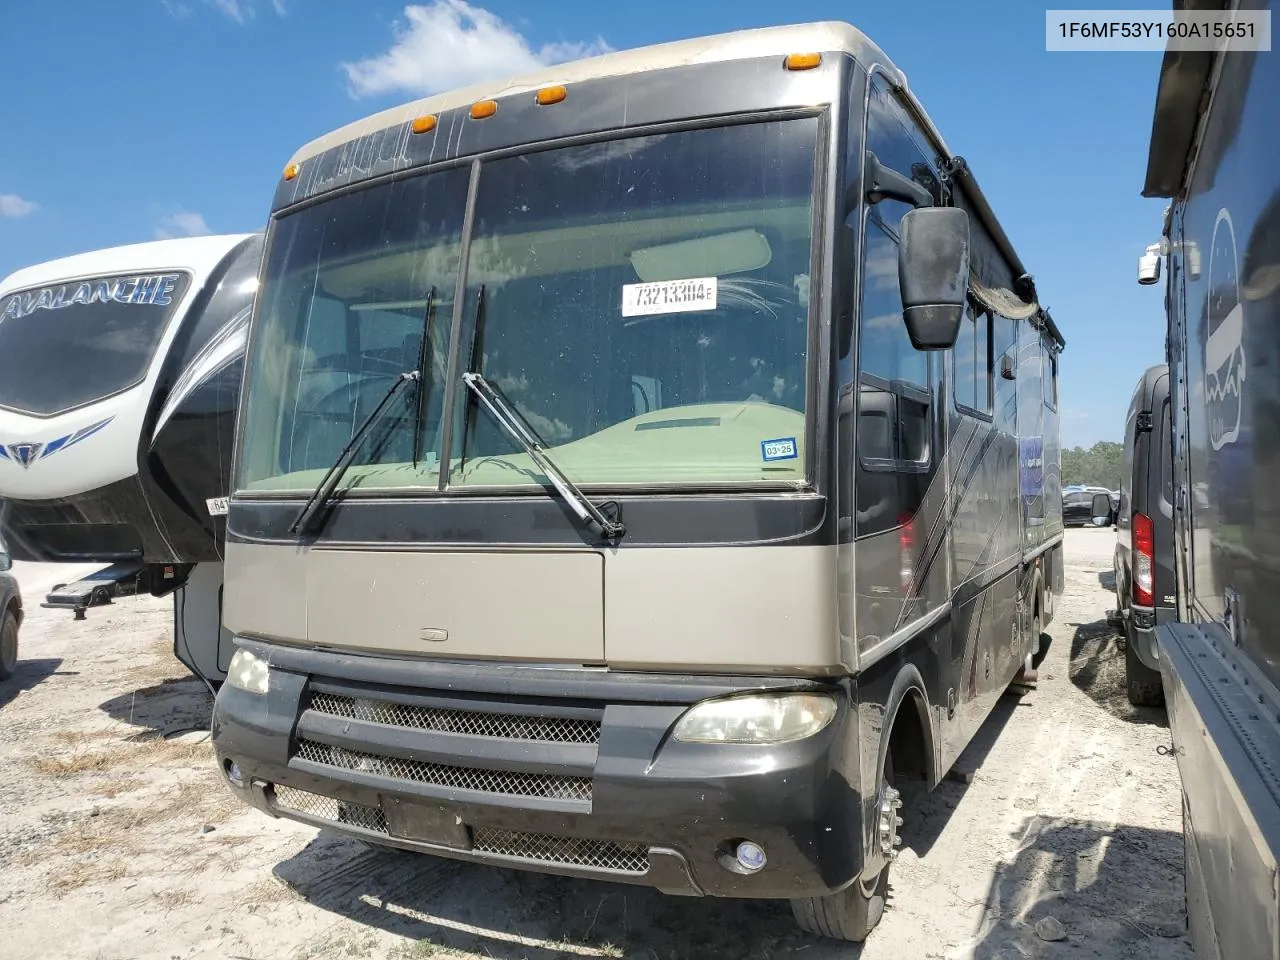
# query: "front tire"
8,645
852,913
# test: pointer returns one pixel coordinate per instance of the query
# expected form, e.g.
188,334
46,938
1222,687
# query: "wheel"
1145,688
852,913
8,645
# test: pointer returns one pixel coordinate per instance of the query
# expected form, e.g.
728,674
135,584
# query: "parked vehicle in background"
1146,591
120,370
1077,504
10,617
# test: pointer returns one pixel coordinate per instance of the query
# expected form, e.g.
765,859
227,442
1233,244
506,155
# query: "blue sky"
144,118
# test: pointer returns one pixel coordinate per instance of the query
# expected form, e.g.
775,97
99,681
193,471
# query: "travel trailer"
120,370
1212,156
644,467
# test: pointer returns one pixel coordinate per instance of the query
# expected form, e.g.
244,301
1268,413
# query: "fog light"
750,856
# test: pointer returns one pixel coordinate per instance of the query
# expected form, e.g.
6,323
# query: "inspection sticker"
668,296
218,506
784,448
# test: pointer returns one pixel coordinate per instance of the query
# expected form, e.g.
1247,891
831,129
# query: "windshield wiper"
514,424
323,492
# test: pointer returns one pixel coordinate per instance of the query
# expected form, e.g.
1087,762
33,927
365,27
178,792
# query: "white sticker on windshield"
218,506
668,296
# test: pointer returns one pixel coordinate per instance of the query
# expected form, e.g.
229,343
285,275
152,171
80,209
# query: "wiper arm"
514,424
329,482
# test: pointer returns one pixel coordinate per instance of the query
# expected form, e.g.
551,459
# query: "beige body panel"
732,608
542,606
264,591
748,608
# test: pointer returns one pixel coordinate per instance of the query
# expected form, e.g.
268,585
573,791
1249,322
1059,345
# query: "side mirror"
6,562
1149,266
933,273
1101,509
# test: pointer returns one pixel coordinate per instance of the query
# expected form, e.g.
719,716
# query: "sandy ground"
118,839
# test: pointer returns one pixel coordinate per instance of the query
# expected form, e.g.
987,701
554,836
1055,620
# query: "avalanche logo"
28,452
1224,361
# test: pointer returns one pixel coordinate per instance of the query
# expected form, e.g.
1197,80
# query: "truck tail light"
1144,554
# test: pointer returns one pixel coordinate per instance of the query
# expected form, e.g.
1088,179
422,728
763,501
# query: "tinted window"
341,315
65,345
668,273
972,357
1050,379
885,348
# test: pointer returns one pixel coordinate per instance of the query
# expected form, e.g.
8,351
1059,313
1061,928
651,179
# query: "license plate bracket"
425,822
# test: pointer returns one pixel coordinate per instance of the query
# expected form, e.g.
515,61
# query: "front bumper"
565,771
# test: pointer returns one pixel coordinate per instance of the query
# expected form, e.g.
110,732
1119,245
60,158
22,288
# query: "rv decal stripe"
27,452
951,505
224,347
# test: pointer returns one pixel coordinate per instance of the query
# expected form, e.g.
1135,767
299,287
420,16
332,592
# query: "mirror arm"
884,183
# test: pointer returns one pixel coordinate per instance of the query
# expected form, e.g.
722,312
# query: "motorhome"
120,371
1212,155
644,467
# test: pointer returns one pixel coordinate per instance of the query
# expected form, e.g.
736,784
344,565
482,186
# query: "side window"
972,359
896,416
885,350
1050,378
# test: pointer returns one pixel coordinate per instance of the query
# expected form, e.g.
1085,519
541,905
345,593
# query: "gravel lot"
118,838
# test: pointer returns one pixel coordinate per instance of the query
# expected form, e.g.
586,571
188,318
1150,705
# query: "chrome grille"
504,726
546,786
327,808
544,848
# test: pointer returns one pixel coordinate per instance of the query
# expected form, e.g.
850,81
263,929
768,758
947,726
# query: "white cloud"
450,43
182,224
12,205
237,11
240,11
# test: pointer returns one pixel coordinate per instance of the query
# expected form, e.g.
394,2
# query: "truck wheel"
852,913
8,645
1145,688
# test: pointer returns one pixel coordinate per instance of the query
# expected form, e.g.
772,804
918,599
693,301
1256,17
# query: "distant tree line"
1101,465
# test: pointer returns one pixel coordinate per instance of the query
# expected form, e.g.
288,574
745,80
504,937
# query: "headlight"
247,672
761,719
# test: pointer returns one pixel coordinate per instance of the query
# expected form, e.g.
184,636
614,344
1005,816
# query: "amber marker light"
291,171
550,95
484,108
423,124
803,61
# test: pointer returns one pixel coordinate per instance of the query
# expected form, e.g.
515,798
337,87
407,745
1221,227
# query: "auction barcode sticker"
668,296
218,506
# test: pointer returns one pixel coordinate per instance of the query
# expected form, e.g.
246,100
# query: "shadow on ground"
510,915
165,708
1107,580
925,815
29,674
1081,875
1097,668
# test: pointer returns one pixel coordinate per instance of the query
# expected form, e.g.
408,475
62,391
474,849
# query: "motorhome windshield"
642,302
69,343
